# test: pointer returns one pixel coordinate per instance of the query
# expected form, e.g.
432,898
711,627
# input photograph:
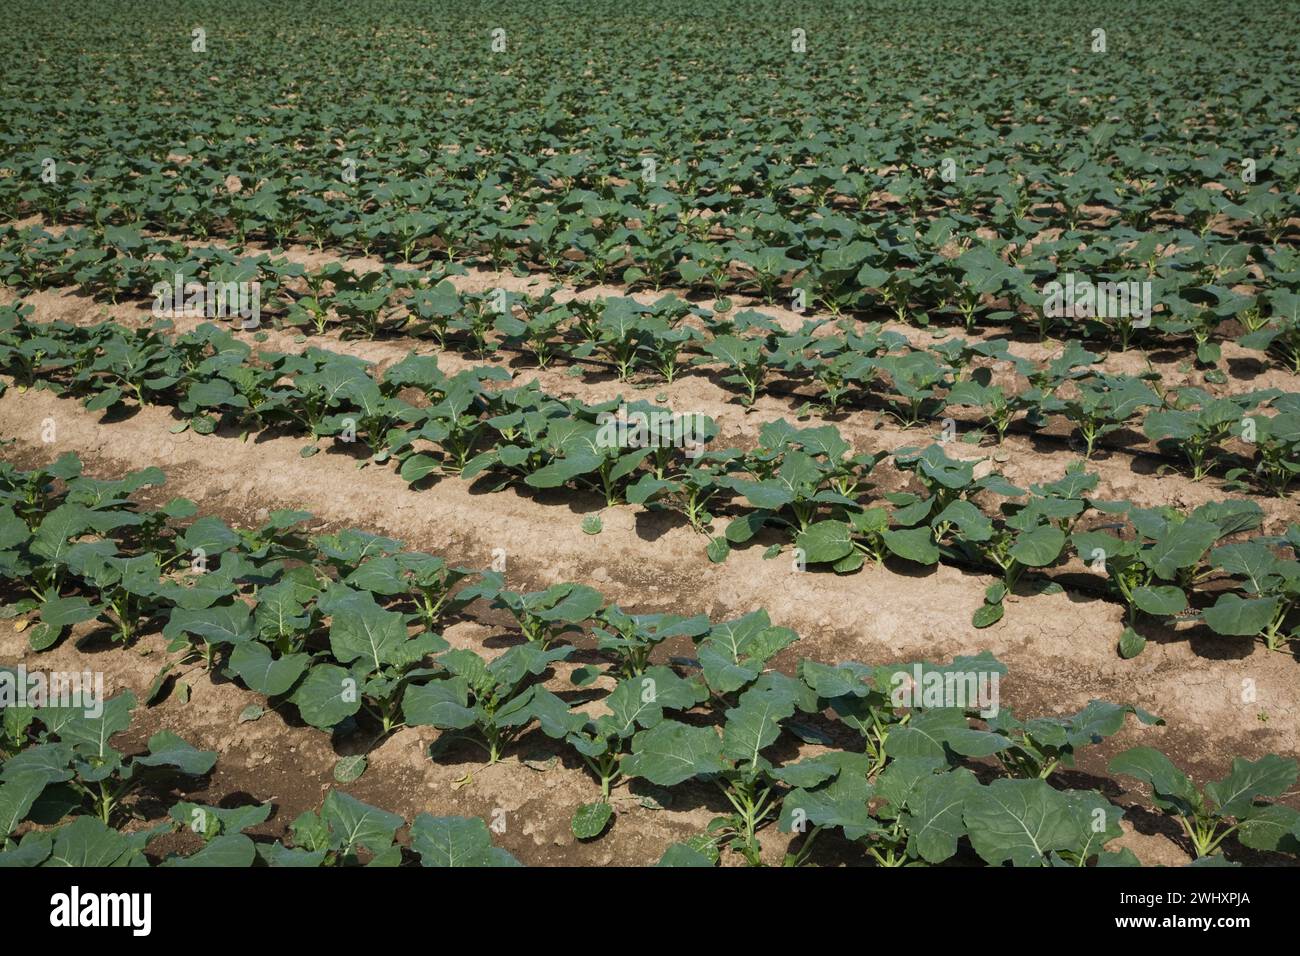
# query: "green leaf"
326,696
166,749
1039,547
17,794
1019,821
417,467
1172,789
364,631
56,616
33,850
825,541
913,544
349,769
1181,547
1162,600
209,821
86,842
1234,616
439,703
590,819
264,674
353,823
1275,828
456,841
221,624
680,854
934,819
1131,644
90,735
232,850
754,726
1235,794
671,753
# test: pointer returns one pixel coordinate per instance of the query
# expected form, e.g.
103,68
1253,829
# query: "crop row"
1201,305
342,626
806,486
61,773
764,219
845,364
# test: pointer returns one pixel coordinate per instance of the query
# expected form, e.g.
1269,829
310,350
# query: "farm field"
711,434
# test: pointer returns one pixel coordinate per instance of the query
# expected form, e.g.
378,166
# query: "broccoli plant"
380,655
671,753
1277,439
337,835
496,700
1105,405
918,381
908,815
1038,747
78,761
689,489
636,703
631,638
1223,807
1272,586
543,616
1169,548
1195,432
1281,334
746,358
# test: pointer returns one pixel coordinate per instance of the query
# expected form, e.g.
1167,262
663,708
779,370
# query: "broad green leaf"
671,753
456,841
590,820
326,696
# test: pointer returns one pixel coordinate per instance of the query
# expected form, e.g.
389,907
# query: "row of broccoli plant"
910,793
837,263
128,573
122,261
68,798
907,797
626,334
327,626
844,364
223,379
804,487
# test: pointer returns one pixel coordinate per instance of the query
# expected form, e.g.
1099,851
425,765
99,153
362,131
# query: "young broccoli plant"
544,617
1041,745
671,753
632,638
337,835
1105,405
746,358
636,703
1195,428
84,767
1272,586
1169,548
497,700
1209,816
